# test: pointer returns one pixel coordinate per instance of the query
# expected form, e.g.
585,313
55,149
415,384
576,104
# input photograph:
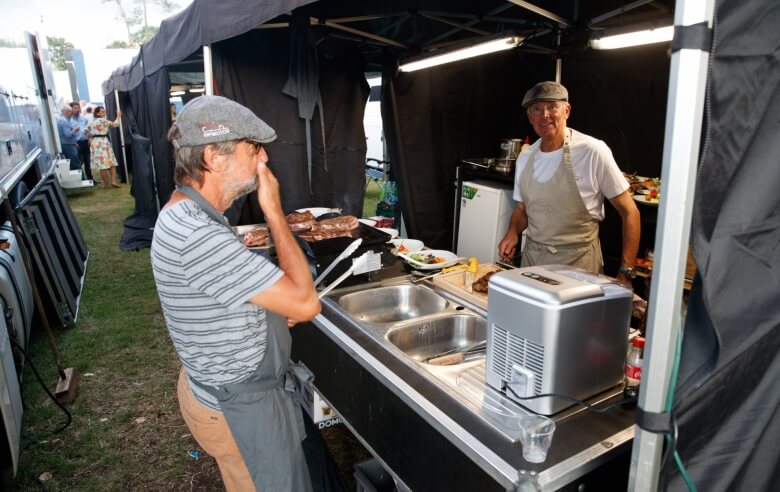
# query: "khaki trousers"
211,431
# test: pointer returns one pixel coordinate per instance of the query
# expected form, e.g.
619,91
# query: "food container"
510,148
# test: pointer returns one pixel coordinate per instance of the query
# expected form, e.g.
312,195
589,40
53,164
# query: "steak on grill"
322,234
342,223
256,237
300,221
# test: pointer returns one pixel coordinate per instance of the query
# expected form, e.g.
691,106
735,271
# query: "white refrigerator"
485,209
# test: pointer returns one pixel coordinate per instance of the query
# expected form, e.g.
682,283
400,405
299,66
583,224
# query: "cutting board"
453,282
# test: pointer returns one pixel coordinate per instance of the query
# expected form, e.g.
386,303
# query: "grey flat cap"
213,119
545,91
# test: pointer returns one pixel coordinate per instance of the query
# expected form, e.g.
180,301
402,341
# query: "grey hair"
190,165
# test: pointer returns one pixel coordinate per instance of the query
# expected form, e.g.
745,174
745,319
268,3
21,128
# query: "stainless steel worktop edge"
474,448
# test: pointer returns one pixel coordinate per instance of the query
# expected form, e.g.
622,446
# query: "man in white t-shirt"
561,182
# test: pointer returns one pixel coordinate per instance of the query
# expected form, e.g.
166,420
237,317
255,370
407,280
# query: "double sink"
415,323
414,319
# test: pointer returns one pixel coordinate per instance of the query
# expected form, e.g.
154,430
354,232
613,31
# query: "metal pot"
510,148
504,166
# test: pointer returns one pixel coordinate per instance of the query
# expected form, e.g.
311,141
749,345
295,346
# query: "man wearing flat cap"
561,182
228,308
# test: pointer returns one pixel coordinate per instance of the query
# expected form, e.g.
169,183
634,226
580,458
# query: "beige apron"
560,228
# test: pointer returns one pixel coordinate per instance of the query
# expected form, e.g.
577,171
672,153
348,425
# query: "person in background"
561,182
225,306
173,113
100,147
82,138
68,137
88,113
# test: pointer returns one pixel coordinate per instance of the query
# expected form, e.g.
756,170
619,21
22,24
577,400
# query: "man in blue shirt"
68,137
82,137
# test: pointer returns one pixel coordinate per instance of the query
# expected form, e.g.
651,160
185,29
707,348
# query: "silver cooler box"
555,329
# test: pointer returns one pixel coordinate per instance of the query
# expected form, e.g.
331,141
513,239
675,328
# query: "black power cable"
48,392
574,400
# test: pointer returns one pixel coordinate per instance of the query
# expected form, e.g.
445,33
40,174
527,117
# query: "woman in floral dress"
101,153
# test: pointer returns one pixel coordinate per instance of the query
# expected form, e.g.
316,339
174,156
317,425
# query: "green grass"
127,432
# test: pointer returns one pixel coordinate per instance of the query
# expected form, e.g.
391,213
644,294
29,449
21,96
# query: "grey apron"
560,228
263,412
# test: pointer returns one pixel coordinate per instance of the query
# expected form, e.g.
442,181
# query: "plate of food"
317,211
430,259
403,245
651,198
254,236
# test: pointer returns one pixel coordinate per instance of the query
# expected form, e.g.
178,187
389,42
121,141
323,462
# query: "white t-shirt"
595,170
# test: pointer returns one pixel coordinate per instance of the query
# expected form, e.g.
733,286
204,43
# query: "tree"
118,45
133,13
59,51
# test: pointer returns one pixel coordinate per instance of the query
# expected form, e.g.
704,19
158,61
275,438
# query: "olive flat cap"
545,91
214,119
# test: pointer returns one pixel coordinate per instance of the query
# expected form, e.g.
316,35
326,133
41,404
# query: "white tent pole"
122,137
207,70
684,113
558,61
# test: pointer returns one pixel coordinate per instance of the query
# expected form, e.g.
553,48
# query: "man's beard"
237,189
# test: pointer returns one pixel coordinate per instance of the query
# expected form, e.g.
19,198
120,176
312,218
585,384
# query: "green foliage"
133,13
119,45
59,51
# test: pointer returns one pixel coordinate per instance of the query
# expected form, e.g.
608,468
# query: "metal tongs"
344,254
456,355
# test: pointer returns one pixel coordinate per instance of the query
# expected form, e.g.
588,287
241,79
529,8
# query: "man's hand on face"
267,189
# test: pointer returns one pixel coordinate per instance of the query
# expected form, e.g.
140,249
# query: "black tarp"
259,59
728,398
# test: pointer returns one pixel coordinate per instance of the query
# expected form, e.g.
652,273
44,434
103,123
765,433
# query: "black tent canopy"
435,117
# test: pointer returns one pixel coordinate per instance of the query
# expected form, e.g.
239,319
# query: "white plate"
642,191
368,222
393,233
411,245
643,200
317,211
450,259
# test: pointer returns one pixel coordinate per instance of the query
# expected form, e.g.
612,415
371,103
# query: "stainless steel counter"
432,433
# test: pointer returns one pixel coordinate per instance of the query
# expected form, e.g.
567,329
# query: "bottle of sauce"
526,144
633,374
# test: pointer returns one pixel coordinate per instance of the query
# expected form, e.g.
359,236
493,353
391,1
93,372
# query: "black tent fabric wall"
628,116
150,104
114,137
728,402
252,69
138,227
435,117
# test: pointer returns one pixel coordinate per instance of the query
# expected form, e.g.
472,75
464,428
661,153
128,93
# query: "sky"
85,23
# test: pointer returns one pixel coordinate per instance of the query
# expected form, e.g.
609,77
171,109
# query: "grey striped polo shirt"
205,278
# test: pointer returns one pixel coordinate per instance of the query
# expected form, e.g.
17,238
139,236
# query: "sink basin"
393,303
427,338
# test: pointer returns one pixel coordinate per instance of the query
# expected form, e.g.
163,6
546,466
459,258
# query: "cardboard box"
318,409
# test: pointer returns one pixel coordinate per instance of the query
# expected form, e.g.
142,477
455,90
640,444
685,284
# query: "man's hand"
268,190
507,246
625,280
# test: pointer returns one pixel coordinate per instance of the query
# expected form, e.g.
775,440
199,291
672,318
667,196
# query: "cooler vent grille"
510,349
